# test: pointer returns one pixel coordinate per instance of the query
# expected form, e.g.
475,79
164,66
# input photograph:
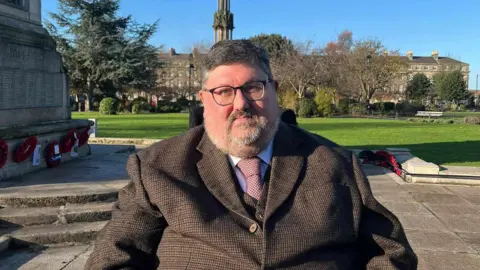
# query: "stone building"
428,65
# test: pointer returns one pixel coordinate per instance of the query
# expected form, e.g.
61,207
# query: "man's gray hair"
241,51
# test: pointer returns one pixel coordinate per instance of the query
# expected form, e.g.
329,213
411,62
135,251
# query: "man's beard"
258,132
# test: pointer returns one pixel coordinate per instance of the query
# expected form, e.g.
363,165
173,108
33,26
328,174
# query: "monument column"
223,21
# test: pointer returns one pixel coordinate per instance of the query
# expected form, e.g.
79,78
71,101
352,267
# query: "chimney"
172,52
410,55
435,55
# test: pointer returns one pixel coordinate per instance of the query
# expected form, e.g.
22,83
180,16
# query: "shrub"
343,104
288,99
408,109
168,107
388,106
143,102
473,120
324,99
136,108
307,108
183,102
462,108
357,109
108,106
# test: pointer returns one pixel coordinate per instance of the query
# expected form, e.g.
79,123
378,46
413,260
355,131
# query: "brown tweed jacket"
182,211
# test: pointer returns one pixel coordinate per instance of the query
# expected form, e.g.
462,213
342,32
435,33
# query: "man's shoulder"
174,148
314,141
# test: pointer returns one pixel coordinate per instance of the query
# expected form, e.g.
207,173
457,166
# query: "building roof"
431,60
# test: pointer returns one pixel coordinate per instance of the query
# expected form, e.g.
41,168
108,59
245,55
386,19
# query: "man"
245,191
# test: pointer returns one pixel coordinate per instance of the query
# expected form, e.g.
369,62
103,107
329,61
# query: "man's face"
244,127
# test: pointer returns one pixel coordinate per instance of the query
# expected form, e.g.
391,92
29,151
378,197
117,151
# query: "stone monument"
34,94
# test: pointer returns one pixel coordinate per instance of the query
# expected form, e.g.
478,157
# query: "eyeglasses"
252,91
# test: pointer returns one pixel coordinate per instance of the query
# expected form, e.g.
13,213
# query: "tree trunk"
89,93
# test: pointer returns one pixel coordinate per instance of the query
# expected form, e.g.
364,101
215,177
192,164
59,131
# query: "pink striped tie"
251,169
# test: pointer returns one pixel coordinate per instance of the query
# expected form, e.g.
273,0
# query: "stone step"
56,194
81,232
69,213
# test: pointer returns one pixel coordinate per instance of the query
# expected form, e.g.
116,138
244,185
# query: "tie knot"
250,166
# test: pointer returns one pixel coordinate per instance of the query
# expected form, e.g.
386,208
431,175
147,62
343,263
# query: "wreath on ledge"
83,137
3,152
25,149
68,141
53,159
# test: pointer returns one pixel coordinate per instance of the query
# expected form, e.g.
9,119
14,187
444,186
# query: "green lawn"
452,144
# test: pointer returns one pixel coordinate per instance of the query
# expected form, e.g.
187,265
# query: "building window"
425,67
409,67
416,68
434,67
21,4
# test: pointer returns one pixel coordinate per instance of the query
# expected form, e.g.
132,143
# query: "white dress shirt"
265,156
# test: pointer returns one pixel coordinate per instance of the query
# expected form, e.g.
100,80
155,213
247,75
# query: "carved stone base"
46,133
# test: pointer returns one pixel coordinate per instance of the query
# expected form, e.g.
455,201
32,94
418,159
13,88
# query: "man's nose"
240,102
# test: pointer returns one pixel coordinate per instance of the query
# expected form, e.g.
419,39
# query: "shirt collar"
265,155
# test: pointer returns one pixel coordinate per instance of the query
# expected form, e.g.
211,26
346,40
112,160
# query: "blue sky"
451,27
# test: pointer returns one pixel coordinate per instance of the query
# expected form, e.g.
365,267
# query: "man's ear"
200,96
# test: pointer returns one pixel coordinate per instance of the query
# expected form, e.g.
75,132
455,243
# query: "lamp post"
193,102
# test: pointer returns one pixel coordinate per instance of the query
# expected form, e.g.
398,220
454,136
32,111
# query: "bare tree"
372,66
301,70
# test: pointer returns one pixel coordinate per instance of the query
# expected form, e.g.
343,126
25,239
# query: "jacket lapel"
287,163
217,174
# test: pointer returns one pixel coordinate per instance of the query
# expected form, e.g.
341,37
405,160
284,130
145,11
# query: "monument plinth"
34,94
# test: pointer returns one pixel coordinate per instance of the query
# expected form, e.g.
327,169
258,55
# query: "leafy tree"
276,45
101,50
450,86
418,87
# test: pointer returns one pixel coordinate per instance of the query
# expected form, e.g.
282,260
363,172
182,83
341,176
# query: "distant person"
196,117
288,116
246,191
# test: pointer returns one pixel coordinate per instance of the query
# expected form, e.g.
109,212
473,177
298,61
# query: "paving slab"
453,210
438,241
49,258
421,222
471,238
406,207
465,223
435,260
439,198
392,196
80,261
429,189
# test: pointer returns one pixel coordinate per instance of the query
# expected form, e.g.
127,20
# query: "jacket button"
253,228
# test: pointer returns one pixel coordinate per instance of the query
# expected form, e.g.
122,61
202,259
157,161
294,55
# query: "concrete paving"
441,221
